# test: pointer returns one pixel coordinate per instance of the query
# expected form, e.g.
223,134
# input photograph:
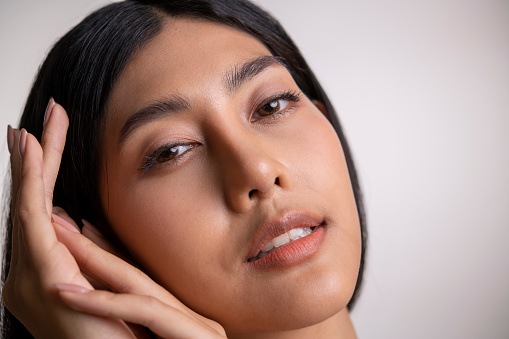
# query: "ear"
321,107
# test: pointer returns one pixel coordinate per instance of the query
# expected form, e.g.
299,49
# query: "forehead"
188,57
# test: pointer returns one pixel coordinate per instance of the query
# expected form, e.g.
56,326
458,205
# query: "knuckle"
18,291
48,192
86,257
130,282
153,303
124,286
27,212
108,297
56,146
107,301
139,275
27,172
153,309
24,213
53,143
53,153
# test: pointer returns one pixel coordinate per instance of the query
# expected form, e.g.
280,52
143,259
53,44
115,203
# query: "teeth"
283,239
268,247
295,233
261,255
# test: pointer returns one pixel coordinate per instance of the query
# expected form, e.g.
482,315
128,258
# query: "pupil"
167,154
271,107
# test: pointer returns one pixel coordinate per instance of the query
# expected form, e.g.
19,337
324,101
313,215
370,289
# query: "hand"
48,259
39,260
136,298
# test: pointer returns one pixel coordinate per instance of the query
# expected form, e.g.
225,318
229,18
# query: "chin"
317,301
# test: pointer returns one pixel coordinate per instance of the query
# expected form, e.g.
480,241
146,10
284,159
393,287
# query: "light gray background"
422,89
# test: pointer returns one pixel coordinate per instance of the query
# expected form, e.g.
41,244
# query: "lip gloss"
292,253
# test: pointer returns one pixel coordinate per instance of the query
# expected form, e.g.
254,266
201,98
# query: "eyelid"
151,157
150,160
293,96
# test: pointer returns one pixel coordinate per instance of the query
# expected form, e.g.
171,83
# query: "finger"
94,235
116,274
105,267
162,319
64,223
15,160
91,232
15,170
36,227
67,220
53,142
62,219
18,251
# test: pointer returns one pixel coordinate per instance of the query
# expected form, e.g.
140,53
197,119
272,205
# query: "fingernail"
71,288
64,223
91,228
10,138
22,142
49,109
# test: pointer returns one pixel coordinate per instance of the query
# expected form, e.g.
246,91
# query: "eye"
277,105
166,154
273,107
172,153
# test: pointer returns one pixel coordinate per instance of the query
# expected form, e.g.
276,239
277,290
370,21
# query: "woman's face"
211,151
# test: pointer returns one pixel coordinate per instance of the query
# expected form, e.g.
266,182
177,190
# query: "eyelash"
151,160
291,96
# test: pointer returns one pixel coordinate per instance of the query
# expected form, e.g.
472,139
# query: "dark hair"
80,72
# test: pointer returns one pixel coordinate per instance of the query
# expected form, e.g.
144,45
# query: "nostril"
253,191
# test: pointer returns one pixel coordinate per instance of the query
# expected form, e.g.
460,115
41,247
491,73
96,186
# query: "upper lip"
280,225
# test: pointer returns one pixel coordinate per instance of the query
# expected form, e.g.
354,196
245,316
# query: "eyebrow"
232,80
239,74
153,111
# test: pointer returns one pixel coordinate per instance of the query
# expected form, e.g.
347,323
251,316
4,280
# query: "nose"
250,169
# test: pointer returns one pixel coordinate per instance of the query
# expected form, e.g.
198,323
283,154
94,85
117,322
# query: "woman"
206,154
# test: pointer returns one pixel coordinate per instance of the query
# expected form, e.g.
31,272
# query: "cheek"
318,163
178,230
323,177
165,232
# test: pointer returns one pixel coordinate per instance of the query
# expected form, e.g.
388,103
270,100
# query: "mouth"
288,239
281,240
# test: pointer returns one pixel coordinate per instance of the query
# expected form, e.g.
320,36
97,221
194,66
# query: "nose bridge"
249,167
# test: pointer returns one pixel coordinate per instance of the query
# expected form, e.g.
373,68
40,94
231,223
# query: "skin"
189,222
49,286
39,259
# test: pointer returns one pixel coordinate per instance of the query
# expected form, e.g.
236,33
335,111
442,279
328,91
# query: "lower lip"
294,252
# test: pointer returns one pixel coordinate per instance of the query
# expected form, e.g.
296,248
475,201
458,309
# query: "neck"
339,326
